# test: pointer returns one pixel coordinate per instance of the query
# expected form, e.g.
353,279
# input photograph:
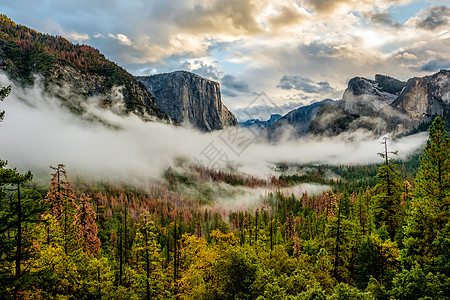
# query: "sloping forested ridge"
389,240
28,52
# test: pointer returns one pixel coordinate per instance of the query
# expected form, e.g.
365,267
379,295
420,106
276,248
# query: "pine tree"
147,261
88,230
430,215
16,213
62,200
433,178
4,92
387,198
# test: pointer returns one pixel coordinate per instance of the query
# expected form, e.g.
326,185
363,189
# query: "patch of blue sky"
402,14
226,66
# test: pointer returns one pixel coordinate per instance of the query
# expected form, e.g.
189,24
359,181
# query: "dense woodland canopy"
382,232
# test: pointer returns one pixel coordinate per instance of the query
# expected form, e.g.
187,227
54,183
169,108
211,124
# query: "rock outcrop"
367,97
74,87
426,97
189,98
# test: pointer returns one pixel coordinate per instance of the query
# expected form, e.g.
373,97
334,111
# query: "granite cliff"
189,98
426,97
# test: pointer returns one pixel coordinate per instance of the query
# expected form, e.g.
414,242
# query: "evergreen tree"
16,214
61,198
4,92
147,264
387,198
88,230
429,215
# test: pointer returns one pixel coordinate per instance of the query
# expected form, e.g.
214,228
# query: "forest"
381,232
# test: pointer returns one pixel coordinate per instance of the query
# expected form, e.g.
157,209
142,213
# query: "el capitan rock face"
189,98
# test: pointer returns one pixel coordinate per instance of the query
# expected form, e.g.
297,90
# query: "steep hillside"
71,72
189,98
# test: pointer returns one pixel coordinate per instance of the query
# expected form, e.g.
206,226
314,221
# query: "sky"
291,52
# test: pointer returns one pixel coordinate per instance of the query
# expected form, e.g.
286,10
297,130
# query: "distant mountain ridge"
187,97
296,121
258,124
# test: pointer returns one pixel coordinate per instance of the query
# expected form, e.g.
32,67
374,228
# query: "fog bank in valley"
38,132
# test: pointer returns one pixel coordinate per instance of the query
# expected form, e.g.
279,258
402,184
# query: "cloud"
345,6
435,65
77,37
202,67
383,18
233,17
287,16
232,85
140,151
123,39
407,55
263,111
432,17
295,82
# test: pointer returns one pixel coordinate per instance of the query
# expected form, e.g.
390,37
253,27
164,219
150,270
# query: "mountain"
258,124
384,105
72,73
426,97
367,97
296,122
189,98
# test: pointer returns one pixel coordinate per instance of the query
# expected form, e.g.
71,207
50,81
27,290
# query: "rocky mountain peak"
425,97
389,84
367,97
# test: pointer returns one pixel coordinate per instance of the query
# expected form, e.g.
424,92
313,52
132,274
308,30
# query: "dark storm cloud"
295,82
434,17
384,19
232,86
435,65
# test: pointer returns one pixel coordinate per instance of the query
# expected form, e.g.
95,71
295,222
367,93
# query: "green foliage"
344,291
4,92
238,270
387,198
417,284
430,209
169,243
